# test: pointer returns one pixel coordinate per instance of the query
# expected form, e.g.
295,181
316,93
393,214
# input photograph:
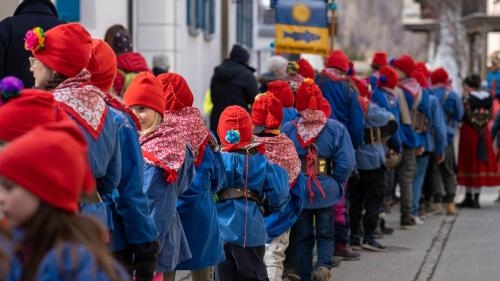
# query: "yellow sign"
295,39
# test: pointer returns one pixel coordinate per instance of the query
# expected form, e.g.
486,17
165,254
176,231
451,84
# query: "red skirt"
473,172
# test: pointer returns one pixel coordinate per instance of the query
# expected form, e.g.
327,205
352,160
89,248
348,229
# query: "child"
136,250
196,206
327,159
60,56
168,171
253,186
54,242
267,113
283,92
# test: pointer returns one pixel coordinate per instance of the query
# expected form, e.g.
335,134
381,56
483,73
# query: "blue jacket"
241,221
289,113
344,101
390,102
128,203
67,262
407,134
453,109
495,129
372,156
279,223
162,198
333,143
434,139
493,76
198,214
105,162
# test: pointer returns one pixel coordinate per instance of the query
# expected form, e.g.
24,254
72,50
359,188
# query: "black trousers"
242,264
366,193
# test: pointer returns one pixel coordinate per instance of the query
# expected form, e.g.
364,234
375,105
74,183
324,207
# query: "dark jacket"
13,57
233,83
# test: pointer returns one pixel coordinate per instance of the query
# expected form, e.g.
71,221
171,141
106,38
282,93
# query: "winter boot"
406,222
435,209
451,210
345,252
467,203
475,202
322,273
385,230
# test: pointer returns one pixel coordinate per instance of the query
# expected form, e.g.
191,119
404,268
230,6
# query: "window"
244,23
201,17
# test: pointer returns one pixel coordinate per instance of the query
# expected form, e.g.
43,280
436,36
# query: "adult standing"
233,83
14,59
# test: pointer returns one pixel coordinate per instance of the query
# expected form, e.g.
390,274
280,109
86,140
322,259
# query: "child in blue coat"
54,242
253,187
196,206
266,117
327,157
168,171
284,93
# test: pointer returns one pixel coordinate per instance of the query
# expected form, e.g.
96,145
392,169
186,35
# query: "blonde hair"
158,119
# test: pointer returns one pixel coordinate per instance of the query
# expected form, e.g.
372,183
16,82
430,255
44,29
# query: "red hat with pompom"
339,60
57,174
282,91
235,128
420,77
420,65
176,90
308,96
66,48
379,58
267,112
440,76
388,77
405,63
102,65
305,69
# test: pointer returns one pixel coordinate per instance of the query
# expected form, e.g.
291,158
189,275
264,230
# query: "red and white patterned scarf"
83,101
334,74
165,148
410,85
191,124
281,151
310,125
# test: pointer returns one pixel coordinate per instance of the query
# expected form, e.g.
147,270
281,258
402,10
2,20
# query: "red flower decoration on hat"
34,39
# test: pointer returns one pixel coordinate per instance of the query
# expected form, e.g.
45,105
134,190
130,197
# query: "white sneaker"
417,220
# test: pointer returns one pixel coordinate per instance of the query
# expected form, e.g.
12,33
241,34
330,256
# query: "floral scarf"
310,125
83,101
334,74
281,151
410,85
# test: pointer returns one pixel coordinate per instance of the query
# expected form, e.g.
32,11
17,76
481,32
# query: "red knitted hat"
102,65
379,58
308,96
338,59
362,87
57,174
388,77
267,111
326,108
65,48
405,63
235,128
176,91
420,77
31,108
282,91
440,75
305,69
145,90
420,65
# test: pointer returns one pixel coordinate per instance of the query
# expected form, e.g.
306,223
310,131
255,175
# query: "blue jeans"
307,237
418,182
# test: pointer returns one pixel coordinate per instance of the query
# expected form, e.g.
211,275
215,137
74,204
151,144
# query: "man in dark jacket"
14,59
233,83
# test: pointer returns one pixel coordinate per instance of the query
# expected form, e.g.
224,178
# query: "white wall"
97,15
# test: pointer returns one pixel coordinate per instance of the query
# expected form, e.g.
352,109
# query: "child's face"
145,115
16,203
41,72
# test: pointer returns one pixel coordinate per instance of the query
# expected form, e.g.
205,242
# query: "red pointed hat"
305,69
339,60
65,48
308,96
267,111
440,76
235,128
405,63
145,90
379,58
25,109
420,65
102,65
282,91
420,77
176,91
388,77
57,174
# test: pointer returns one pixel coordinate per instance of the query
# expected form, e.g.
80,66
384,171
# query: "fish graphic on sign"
302,36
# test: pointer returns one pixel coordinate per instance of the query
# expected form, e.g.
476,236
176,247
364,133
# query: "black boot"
468,202
385,230
475,202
